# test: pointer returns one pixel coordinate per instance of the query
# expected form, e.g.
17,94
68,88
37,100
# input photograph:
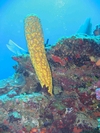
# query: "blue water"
58,17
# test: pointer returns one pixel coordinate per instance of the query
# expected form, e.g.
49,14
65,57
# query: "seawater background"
58,17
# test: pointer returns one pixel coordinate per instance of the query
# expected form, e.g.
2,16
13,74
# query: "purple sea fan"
97,91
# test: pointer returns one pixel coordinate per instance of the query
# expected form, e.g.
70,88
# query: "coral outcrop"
74,107
25,105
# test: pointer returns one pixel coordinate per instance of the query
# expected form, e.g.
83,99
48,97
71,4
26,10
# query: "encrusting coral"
35,40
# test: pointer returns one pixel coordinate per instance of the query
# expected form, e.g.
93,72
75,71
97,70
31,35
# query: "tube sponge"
35,41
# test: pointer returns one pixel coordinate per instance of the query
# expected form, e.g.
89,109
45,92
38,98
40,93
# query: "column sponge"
35,42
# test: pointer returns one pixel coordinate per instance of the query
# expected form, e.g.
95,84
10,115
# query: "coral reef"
26,106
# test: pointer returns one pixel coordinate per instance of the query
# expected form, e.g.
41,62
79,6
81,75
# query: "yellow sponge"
35,40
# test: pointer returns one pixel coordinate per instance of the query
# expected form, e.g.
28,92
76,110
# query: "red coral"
57,59
96,114
77,130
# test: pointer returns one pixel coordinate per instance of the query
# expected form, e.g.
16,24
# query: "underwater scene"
49,66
